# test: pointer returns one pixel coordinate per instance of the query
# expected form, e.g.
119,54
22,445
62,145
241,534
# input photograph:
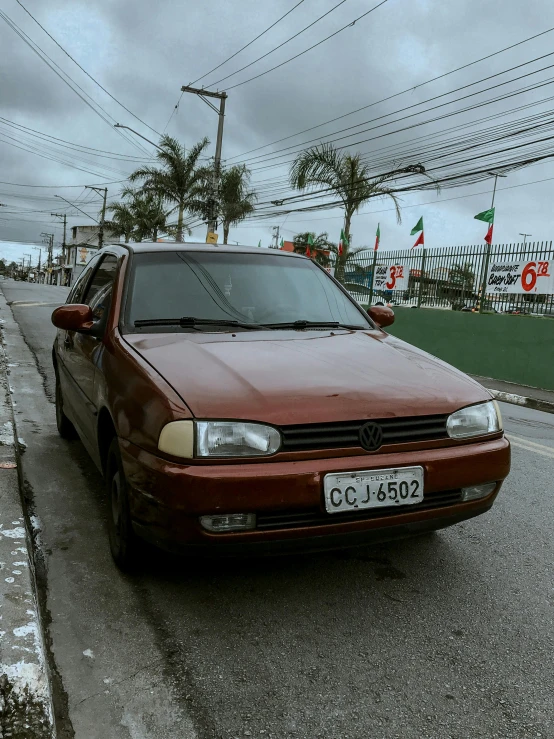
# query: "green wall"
517,349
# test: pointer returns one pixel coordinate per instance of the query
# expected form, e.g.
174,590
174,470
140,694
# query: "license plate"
356,491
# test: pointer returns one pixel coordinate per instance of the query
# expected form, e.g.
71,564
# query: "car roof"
153,246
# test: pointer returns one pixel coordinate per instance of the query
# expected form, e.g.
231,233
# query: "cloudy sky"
142,52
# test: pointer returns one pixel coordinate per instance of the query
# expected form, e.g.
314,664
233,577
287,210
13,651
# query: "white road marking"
28,304
532,446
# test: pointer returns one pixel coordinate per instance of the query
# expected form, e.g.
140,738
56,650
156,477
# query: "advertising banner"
391,277
521,277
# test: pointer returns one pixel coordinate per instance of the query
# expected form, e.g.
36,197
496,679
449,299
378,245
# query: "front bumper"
167,498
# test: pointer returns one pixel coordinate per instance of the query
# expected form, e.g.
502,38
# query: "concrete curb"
26,704
534,403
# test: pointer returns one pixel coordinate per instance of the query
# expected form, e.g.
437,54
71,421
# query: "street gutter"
26,703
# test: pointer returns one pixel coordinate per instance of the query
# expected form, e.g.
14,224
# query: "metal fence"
451,277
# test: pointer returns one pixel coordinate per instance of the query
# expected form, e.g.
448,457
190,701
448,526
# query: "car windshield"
246,288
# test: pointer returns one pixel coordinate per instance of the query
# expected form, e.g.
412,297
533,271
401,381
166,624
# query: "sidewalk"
25,698
509,392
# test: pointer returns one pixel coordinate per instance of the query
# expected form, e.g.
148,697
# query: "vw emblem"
371,436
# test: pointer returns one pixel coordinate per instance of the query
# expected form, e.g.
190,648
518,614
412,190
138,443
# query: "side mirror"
73,318
382,315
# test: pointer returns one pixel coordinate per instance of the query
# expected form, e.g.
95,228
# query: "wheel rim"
116,506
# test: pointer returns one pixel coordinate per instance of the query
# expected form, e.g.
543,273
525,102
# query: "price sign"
391,277
521,278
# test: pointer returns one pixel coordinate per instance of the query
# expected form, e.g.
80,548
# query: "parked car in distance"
239,400
517,309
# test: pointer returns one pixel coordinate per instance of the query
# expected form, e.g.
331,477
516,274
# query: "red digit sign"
543,269
400,272
392,282
529,276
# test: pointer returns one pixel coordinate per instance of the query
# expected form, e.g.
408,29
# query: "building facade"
82,245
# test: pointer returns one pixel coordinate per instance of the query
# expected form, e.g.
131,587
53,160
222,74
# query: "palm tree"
320,249
148,213
140,216
236,201
122,222
180,182
345,176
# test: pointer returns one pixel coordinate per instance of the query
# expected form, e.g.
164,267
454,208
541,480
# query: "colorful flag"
342,243
418,227
415,229
488,217
377,237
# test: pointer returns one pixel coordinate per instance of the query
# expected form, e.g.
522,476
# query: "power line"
287,61
271,51
84,70
46,59
300,147
58,187
71,144
397,94
430,120
422,154
245,46
418,205
46,156
452,180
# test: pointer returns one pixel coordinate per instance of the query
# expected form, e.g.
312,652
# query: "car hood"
294,377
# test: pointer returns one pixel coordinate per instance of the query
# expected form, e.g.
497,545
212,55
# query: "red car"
238,399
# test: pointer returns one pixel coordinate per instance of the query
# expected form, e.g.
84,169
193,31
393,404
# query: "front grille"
346,434
316,517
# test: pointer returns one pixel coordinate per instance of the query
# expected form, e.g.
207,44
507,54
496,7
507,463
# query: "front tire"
123,541
65,428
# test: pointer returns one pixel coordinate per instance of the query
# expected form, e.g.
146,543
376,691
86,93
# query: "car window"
76,293
98,293
253,288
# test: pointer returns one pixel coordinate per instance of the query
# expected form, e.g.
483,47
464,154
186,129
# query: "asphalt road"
444,637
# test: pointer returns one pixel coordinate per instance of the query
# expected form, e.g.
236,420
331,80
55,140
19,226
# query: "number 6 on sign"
529,276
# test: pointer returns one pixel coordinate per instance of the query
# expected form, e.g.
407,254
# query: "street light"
524,237
118,125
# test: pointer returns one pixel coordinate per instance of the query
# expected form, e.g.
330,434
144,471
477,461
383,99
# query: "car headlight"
476,420
235,439
218,439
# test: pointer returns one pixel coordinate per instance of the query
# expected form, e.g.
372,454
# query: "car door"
81,351
64,343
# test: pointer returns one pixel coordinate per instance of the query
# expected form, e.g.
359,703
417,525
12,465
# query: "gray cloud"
144,53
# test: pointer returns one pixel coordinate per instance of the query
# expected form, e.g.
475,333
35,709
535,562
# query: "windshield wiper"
191,321
299,325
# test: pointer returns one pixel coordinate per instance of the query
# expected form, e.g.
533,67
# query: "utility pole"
276,232
222,97
49,239
37,248
100,190
63,216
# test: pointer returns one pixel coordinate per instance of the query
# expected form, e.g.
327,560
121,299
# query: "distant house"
287,246
81,247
